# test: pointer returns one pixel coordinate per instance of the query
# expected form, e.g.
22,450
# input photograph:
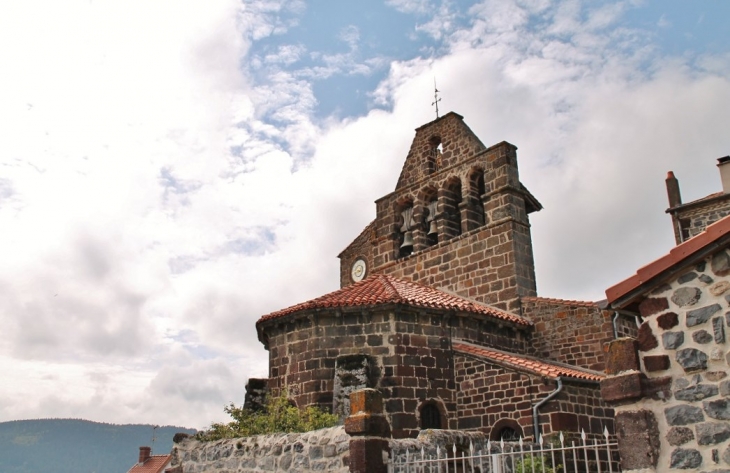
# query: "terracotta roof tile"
528,364
154,464
549,300
382,289
711,234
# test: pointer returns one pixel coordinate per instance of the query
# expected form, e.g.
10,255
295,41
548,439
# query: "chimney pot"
144,454
724,165
675,198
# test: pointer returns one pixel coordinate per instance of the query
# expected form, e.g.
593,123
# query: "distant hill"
77,446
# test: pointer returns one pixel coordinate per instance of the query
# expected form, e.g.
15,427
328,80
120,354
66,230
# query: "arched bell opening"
430,223
405,224
433,156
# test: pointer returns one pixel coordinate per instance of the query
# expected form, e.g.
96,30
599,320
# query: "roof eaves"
717,196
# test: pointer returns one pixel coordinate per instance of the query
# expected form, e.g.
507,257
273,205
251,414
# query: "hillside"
77,446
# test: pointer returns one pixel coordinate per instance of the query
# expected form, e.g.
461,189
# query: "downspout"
616,313
536,407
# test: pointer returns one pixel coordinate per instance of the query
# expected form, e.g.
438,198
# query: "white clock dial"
359,268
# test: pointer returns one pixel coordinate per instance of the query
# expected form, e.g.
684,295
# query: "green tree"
278,416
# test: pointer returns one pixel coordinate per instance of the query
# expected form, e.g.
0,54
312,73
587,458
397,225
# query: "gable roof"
154,464
627,291
381,289
528,364
698,202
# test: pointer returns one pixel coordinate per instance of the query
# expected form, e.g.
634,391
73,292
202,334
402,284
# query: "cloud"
159,194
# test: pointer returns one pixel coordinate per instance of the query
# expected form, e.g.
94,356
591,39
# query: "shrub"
277,416
536,465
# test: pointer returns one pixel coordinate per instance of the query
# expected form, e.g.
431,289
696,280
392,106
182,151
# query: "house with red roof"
669,386
148,463
438,309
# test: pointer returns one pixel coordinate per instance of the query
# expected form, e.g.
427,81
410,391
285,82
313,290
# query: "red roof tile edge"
381,289
684,250
550,300
528,364
154,464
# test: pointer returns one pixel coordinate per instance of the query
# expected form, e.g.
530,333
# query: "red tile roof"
528,364
549,300
382,289
712,233
154,464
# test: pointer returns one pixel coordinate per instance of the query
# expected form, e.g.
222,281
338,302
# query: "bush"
536,464
278,416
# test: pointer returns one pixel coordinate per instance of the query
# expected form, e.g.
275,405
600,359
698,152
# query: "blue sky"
171,171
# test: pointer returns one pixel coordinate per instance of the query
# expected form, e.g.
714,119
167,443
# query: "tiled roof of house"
527,364
643,275
550,300
382,289
154,464
698,201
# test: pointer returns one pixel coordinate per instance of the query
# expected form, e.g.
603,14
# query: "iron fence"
596,456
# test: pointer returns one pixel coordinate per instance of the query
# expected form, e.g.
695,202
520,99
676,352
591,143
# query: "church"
438,309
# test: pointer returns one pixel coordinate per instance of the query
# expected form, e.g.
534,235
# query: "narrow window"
430,417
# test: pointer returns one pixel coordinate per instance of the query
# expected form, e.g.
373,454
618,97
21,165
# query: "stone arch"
432,415
506,428
475,216
449,208
429,214
404,208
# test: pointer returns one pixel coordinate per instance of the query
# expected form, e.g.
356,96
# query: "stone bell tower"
457,220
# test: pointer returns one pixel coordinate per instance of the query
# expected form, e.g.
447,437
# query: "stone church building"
438,309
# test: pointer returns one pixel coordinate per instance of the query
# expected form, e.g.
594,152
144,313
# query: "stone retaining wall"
320,450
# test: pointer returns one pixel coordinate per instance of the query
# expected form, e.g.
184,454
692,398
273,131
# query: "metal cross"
436,98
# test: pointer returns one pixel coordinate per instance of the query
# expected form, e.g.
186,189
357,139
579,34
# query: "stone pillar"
369,428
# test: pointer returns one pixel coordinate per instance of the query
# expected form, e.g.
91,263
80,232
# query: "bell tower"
456,221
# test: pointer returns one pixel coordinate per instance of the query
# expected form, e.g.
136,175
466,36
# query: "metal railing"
588,457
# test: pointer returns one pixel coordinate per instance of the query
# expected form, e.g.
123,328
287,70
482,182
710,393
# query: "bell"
407,240
432,230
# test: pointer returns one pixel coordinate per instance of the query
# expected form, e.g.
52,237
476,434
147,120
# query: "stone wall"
695,218
491,397
572,332
409,353
320,450
673,395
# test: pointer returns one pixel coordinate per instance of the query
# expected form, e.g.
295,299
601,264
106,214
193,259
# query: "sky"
170,171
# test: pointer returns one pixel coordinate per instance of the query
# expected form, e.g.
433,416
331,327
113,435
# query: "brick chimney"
724,165
675,198
144,454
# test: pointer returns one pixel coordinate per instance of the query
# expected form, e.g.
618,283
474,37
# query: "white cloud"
156,200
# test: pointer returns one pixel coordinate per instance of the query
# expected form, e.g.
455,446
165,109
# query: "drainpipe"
536,407
616,313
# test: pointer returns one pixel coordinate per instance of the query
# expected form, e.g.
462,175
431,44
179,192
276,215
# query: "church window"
430,416
506,429
452,213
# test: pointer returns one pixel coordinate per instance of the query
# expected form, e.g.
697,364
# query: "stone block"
712,433
701,315
368,401
720,263
720,288
656,363
622,387
687,277
645,339
691,360
653,305
683,415
697,392
679,436
366,455
622,356
672,340
702,337
638,439
718,330
686,296
719,409
667,320
685,458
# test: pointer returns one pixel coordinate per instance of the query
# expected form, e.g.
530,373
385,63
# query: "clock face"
359,268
